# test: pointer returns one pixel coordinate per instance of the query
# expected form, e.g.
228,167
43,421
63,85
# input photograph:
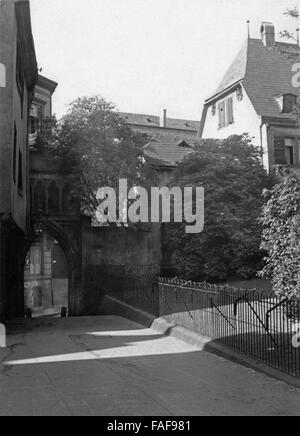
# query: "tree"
94,144
233,176
293,13
281,235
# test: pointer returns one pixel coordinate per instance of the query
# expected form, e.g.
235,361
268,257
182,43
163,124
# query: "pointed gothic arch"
70,250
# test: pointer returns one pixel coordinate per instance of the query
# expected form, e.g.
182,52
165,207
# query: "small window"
286,151
291,151
53,198
35,259
289,155
41,116
20,174
288,103
39,193
225,109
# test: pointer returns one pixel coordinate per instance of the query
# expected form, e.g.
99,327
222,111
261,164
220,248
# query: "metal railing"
259,325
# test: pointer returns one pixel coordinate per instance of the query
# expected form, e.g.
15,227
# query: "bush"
233,176
281,235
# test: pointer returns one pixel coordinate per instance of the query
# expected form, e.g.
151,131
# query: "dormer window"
183,144
287,103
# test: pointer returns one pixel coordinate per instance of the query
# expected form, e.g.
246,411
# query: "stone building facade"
67,257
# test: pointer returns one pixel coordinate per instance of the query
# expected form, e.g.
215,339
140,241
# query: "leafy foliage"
94,144
281,235
294,12
232,174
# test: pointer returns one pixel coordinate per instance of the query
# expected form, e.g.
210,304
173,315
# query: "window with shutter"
229,107
225,109
222,117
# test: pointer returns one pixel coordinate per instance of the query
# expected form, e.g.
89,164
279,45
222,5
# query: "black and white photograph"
149,211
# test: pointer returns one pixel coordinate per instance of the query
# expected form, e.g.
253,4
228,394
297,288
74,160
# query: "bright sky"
146,55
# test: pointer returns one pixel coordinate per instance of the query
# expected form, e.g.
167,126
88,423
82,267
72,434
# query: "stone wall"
115,250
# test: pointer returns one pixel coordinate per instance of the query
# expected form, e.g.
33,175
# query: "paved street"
111,366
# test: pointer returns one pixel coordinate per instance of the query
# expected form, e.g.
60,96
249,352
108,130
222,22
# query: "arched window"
39,197
66,204
53,198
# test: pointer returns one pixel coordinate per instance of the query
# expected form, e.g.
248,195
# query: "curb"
112,306
242,359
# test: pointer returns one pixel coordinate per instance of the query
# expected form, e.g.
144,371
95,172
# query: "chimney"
163,121
267,31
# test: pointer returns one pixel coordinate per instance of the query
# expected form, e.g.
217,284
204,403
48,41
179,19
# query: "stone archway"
69,250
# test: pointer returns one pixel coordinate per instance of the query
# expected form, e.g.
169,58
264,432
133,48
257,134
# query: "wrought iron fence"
259,325
134,285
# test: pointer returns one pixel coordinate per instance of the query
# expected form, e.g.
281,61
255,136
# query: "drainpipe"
261,141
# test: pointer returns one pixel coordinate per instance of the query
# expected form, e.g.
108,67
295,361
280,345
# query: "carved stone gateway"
54,214
86,248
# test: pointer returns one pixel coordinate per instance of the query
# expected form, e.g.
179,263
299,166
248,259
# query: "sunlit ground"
161,345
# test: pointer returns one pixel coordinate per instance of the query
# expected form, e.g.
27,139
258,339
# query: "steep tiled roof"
154,121
175,123
165,151
265,74
236,72
140,119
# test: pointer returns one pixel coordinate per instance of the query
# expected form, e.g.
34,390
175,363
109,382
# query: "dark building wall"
15,100
118,249
18,58
12,252
7,50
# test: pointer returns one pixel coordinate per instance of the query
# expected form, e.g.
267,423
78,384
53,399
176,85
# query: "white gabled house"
257,96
